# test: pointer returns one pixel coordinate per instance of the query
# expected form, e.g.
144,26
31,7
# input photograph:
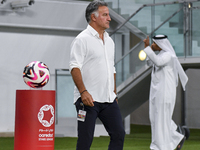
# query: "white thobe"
162,101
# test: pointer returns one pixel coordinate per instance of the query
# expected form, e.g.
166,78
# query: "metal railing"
147,5
183,45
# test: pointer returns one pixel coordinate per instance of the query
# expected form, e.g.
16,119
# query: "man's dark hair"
92,7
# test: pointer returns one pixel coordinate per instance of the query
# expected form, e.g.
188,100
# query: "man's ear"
93,17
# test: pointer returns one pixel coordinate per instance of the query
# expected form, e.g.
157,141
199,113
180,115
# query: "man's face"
103,20
155,47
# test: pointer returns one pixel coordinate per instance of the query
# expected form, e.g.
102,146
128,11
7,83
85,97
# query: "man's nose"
109,18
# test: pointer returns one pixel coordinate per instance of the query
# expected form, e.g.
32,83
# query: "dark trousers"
110,116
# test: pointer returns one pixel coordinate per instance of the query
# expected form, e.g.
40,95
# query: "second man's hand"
146,42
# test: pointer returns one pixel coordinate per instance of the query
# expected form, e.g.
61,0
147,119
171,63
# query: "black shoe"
181,130
187,132
180,145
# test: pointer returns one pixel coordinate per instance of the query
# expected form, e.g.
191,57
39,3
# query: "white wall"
16,52
43,32
193,99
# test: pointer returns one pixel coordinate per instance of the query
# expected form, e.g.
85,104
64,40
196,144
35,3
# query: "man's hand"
146,42
87,99
116,100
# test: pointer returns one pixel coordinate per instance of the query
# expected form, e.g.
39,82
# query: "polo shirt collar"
94,32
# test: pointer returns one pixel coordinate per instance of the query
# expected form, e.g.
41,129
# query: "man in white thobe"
164,79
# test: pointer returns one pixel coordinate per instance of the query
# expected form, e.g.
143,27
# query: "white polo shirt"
95,59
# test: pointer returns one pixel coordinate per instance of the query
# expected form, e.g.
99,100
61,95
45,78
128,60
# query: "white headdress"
164,44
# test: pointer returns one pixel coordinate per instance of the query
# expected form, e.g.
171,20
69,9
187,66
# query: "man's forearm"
115,88
85,95
77,77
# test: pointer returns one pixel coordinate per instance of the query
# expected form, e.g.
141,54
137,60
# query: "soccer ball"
36,74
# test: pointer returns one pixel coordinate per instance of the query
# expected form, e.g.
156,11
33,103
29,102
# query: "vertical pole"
183,108
190,28
187,29
123,60
153,17
118,8
187,50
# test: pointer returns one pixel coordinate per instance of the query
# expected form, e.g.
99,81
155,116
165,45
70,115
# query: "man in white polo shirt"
92,69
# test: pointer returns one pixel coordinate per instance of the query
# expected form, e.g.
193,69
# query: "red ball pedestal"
34,120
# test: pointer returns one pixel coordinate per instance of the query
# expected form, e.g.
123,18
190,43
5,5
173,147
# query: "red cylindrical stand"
34,120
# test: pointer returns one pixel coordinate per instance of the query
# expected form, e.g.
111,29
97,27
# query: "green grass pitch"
139,139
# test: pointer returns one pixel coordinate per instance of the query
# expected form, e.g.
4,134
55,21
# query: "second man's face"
155,47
